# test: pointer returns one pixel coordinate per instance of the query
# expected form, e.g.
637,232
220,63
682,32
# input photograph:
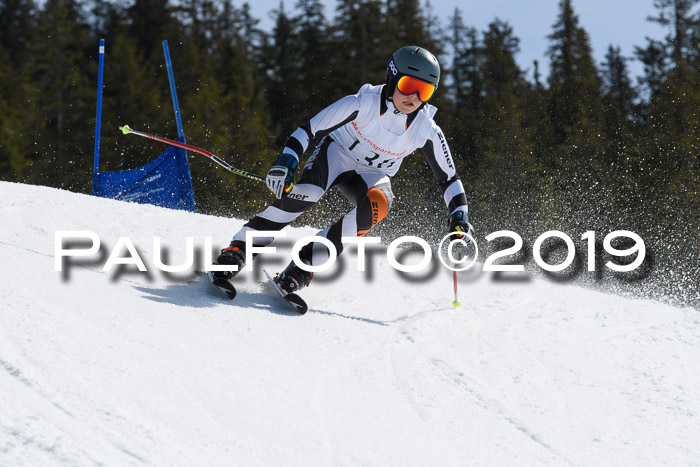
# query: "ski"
223,285
292,299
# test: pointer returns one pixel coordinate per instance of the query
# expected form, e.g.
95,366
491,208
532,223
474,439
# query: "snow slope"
130,368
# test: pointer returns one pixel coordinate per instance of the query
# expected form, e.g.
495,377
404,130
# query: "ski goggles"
408,85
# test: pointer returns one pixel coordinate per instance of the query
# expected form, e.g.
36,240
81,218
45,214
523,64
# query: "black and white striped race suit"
363,139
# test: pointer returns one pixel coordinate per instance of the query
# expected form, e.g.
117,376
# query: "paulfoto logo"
456,252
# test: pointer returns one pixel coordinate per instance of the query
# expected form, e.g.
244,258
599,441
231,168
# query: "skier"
363,139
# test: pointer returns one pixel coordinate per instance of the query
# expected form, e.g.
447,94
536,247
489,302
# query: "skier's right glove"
280,178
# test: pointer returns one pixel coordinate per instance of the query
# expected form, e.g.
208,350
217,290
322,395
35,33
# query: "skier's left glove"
459,222
280,178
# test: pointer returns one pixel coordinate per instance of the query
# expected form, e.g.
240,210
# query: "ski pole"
455,302
126,130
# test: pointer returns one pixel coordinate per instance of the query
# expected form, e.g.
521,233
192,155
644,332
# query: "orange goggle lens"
408,85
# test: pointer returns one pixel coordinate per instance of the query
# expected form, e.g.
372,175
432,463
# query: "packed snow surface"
134,368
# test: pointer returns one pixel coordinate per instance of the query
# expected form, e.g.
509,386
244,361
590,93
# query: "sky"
622,23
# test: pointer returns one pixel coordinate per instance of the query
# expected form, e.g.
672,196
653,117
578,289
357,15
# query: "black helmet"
412,61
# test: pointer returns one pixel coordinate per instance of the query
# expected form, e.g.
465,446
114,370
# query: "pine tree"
536,116
61,97
15,140
678,17
673,144
622,131
464,119
672,136
360,49
575,157
150,22
573,80
467,85
656,65
17,18
619,98
313,53
679,46
17,22
249,140
406,23
282,81
507,174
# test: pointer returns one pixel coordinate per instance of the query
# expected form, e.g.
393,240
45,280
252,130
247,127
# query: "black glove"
280,178
459,222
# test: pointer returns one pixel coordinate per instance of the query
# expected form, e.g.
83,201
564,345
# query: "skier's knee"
385,190
380,203
373,209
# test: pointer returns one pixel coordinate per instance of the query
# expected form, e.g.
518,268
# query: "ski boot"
231,255
293,278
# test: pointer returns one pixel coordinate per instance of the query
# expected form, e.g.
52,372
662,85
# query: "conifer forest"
585,146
